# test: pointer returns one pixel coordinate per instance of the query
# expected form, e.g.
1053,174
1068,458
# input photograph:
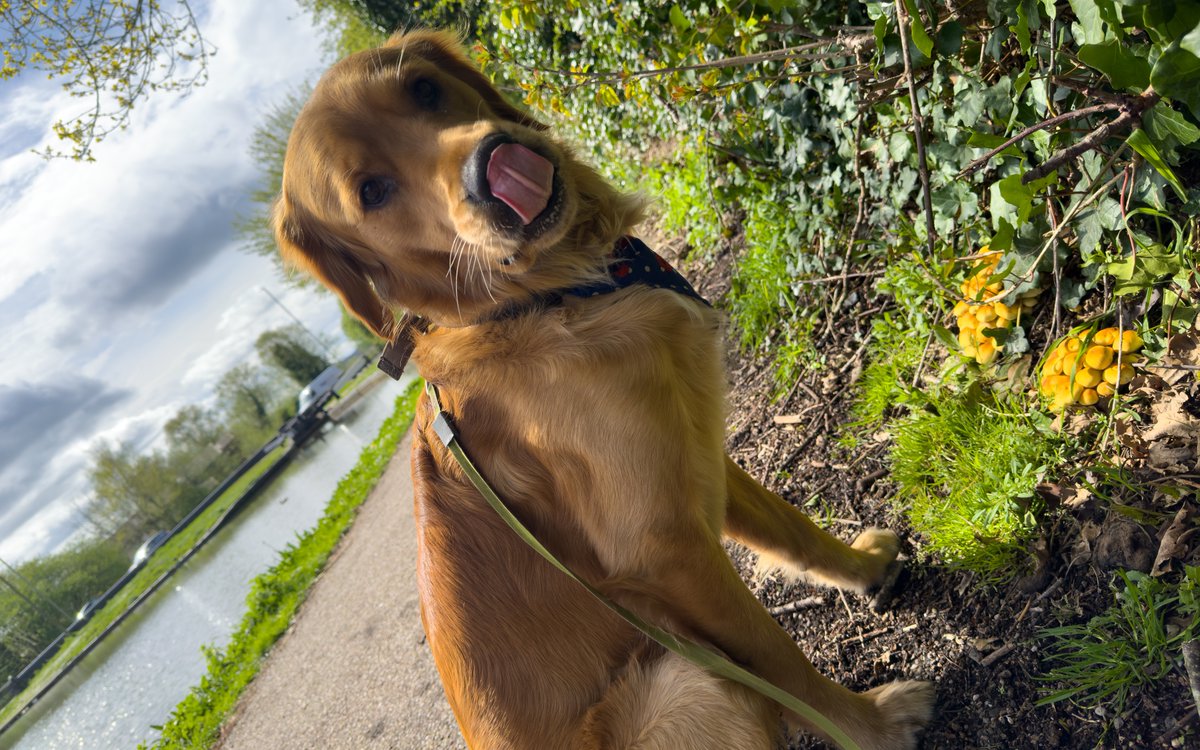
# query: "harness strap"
632,262
699,655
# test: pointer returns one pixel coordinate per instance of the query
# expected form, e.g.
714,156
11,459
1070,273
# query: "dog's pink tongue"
520,178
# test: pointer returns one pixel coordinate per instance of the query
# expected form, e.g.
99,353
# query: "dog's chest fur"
547,405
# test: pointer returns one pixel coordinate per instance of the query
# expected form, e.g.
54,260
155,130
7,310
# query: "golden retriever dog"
411,186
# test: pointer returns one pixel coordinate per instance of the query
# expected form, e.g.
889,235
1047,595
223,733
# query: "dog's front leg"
787,539
695,581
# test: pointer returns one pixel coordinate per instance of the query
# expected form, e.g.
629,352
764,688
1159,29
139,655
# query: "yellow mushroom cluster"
975,319
1082,371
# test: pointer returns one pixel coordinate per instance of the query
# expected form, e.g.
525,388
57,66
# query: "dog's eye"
426,93
372,193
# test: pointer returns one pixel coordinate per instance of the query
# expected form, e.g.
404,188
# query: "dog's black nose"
474,172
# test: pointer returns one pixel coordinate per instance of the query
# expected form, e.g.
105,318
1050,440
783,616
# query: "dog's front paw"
904,707
881,547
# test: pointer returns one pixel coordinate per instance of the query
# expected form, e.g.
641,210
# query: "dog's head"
410,182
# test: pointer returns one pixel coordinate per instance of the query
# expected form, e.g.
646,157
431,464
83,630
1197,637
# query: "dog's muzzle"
517,187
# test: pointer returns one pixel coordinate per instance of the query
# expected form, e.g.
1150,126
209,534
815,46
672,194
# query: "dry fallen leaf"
1169,419
1176,541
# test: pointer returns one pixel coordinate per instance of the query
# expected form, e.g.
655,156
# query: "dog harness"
632,263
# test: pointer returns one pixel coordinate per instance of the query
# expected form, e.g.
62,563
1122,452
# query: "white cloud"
120,273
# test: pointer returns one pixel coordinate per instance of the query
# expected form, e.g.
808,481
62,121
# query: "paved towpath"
354,672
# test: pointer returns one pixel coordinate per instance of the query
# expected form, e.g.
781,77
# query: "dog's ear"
330,264
446,51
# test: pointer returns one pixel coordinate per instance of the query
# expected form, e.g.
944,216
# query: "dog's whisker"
456,250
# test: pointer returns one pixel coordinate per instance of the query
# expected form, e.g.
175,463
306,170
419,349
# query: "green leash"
693,652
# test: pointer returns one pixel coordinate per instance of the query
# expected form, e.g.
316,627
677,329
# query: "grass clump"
966,468
887,381
276,595
1129,646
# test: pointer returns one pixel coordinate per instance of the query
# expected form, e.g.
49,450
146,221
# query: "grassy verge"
159,563
276,595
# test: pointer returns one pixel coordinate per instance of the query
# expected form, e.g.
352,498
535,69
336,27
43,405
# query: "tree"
289,349
133,489
60,583
201,450
110,53
366,341
254,402
267,148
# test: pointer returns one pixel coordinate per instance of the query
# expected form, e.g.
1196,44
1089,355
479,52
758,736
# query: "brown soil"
978,643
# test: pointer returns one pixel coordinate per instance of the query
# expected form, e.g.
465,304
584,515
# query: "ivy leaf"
1016,343
1175,73
1021,28
1166,126
952,201
1118,63
1141,143
1070,293
1091,22
919,37
678,20
1089,231
949,38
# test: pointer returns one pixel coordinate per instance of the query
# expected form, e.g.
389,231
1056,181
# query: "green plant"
966,466
900,338
685,195
795,355
1132,644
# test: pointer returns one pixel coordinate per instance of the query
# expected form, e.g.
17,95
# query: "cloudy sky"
123,292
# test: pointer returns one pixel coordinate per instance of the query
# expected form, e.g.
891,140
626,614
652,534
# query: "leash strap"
693,652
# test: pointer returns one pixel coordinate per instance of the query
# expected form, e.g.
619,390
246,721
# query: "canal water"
134,679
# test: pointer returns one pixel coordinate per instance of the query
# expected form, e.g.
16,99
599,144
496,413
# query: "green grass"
1106,660
887,381
353,385
161,561
966,467
276,595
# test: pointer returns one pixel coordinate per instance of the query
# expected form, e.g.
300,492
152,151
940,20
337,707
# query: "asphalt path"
354,671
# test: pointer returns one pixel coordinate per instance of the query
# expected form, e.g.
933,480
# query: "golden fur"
600,421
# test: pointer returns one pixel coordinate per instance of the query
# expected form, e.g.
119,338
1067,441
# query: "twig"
838,277
866,636
997,655
806,603
979,163
863,483
1176,727
903,20
1131,112
1049,592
